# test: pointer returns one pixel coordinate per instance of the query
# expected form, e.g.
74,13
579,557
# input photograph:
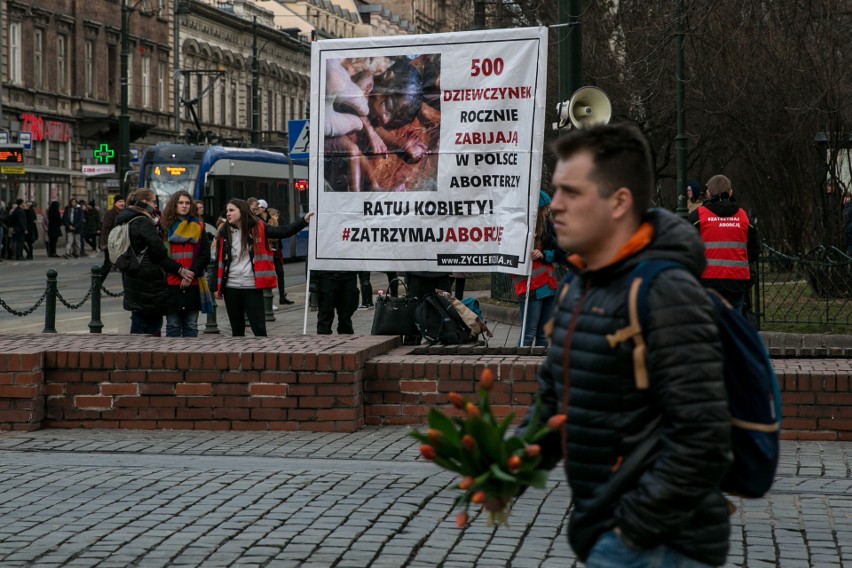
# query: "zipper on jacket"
566,381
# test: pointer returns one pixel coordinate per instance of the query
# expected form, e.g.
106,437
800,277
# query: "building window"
15,53
200,107
38,58
112,71
270,110
146,81
223,102
233,118
61,65
62,155
249,109
161,86
130,77
90,69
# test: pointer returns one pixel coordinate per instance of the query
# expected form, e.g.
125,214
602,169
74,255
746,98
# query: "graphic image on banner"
426,152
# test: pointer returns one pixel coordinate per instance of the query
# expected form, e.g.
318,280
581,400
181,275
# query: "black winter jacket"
670,495
145,289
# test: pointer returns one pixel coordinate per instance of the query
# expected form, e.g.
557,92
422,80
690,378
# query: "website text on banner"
428,151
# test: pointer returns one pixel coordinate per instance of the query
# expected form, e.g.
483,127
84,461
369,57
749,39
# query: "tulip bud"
427,451
434,435
456,400
532,451
461,520
486,380
468,442
514,463
471,410
478,497
557,422
466,483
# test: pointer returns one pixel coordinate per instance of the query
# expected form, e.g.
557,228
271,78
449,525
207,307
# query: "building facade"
61,86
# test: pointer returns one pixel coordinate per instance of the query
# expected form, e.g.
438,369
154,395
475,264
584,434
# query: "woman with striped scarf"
189,246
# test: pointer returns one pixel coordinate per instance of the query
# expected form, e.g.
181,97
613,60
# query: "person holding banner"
245,265
337,290
536,310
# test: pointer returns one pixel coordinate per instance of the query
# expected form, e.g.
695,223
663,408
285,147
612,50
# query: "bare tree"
763,77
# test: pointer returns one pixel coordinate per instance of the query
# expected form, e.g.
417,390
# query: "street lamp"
255,71
255,83
124,115
680,140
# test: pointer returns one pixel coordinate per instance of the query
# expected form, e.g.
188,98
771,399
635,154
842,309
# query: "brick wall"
816,398
401,387
163,383
22,393
309,383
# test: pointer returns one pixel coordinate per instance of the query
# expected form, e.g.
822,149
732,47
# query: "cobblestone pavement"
177,498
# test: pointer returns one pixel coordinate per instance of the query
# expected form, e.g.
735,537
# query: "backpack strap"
637,310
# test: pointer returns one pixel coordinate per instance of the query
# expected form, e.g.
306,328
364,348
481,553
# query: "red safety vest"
182,253
262,263
725,242
542,275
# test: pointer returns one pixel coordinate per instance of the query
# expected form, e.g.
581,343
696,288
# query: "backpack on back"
439,322
754,398
121,254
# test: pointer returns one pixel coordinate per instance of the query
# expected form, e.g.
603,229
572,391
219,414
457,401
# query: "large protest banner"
426,151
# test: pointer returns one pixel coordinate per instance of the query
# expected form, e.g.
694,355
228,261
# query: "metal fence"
51,295
813,289
809,293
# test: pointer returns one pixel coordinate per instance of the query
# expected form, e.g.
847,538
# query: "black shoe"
285,302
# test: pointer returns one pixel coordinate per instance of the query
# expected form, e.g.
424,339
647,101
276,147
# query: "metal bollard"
211,326
95,326
50,303
267,304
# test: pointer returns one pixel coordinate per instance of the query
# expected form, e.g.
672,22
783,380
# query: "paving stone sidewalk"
314,500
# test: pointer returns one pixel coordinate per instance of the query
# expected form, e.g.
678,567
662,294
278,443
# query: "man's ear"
622,202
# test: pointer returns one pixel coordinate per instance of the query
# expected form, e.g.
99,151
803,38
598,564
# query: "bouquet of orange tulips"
493,468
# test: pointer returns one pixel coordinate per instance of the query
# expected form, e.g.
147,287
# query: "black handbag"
394,315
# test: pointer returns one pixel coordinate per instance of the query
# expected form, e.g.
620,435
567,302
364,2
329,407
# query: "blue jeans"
611,552
182,323
538,312
146,324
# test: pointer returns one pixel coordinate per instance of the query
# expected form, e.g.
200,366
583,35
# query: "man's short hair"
621,157
718,185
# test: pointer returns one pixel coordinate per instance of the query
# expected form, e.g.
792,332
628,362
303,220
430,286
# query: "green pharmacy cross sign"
104,154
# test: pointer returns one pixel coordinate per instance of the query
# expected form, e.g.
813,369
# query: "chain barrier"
27,312
111,294
74,306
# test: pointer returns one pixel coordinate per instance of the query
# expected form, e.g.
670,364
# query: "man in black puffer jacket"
644,459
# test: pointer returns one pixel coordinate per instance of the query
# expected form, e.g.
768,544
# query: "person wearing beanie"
542,284
118,203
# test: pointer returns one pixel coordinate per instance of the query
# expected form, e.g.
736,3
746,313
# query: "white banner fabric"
426,151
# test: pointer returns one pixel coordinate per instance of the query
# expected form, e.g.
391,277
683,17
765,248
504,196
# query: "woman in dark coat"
54,228
146,294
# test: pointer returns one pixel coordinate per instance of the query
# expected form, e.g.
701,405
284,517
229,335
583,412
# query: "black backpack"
439,322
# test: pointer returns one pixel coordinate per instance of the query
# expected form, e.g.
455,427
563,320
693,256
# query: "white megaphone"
588,106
